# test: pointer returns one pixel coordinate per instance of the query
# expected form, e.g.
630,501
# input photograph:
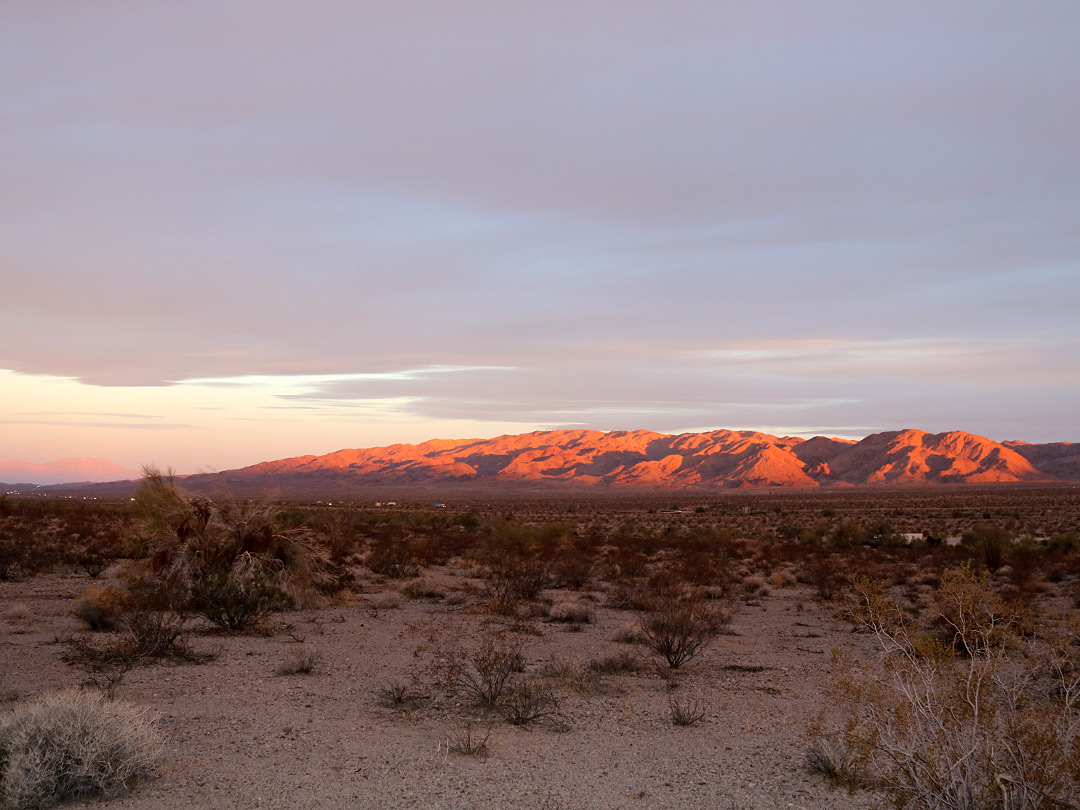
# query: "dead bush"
74,744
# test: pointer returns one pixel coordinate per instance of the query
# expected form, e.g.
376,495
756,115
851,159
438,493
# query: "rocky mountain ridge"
715,459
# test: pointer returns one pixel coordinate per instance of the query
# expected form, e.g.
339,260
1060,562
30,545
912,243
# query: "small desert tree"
969,716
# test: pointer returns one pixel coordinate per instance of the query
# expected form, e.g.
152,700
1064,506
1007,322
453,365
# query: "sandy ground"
240,735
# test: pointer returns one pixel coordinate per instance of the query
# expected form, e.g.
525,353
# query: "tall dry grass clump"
74,744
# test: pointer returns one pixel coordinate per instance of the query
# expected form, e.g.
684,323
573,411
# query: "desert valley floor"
241,734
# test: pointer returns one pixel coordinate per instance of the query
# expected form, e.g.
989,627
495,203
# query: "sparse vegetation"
975,716
468,742
511,579
828,755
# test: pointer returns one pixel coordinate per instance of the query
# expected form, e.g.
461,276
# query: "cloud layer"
839,217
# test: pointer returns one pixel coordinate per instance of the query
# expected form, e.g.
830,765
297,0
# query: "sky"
243,230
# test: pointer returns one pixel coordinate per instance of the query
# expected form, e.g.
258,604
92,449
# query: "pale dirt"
241,736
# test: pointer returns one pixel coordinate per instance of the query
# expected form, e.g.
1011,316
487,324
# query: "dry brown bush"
74,744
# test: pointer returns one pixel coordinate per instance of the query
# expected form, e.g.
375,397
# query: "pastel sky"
245,230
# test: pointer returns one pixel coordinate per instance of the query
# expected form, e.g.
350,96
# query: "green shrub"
238,598
992,541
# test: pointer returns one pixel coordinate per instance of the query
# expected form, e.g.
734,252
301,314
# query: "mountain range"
629,459
715,459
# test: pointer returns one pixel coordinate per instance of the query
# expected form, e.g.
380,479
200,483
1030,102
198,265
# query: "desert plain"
358,694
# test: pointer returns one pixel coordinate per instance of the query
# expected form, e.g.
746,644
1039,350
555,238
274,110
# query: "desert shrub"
626,563
16,555
102,608
514,578
881,533
684,711
827,577
1064,543
392,556
530,702
782,579
629,635
106,665
188,537
99,553
401,695
575,614
702,568
74,744
300,661
19,613
240,597
679,629
828,755
991,541
988,720
571,674
620,663
573,568
482,674
846,535
467,742
157,634
630,597
422,589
